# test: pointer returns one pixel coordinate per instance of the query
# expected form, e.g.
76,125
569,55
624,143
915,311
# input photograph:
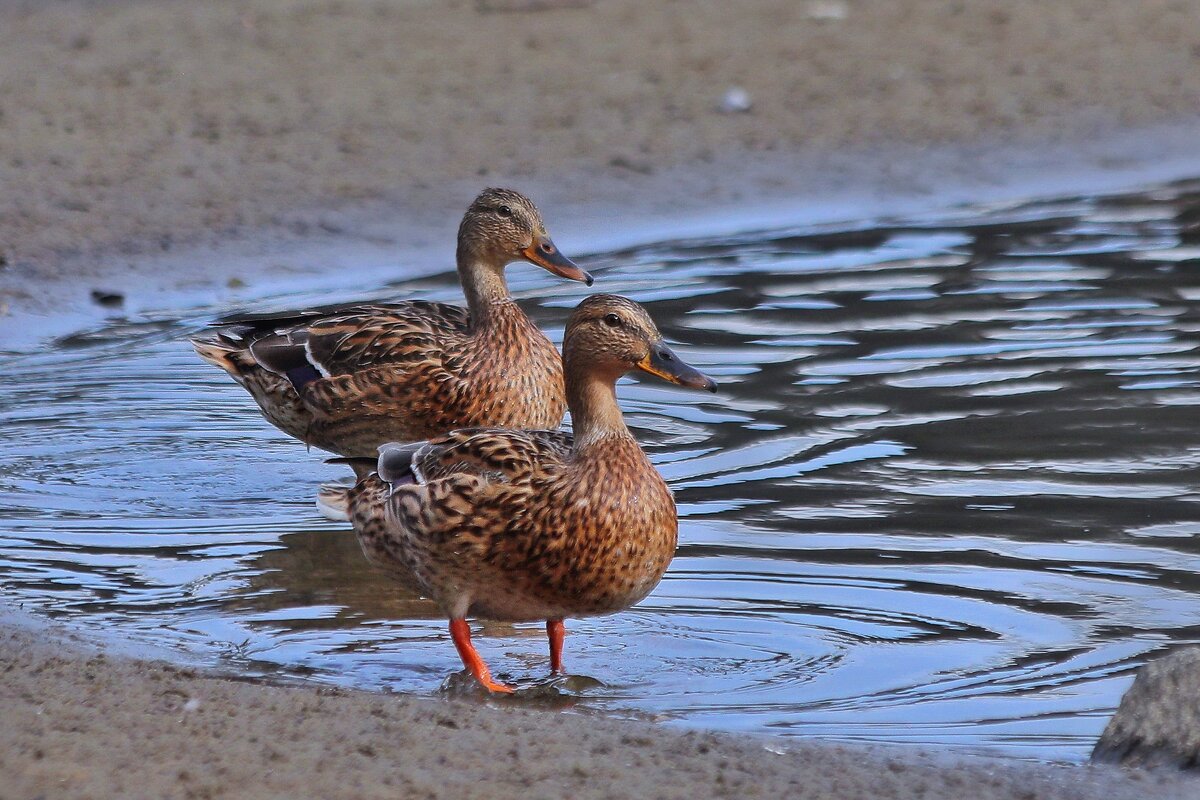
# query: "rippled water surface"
947,493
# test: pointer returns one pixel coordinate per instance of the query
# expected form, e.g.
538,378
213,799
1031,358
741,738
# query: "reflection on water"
948,492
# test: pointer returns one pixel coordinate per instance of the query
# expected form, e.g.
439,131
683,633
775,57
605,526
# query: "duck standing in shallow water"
349,379
534,524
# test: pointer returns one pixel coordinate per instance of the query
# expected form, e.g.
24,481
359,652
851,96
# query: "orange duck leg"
460,632
556,632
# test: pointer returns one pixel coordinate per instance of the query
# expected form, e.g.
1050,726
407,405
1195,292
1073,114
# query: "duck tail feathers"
333,502
225,354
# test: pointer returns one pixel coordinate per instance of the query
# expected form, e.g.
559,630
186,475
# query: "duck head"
610,335
503,226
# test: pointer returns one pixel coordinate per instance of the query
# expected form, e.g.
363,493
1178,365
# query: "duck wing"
307,345
495,454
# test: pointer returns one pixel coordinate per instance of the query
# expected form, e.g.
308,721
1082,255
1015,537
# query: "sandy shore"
133,130
82,723
174,145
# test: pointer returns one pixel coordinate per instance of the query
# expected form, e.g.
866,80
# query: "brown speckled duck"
349,379
533,524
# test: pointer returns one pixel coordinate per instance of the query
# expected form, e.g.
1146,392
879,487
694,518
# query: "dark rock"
1158,721
107,299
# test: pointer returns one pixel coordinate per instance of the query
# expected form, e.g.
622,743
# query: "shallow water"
947,493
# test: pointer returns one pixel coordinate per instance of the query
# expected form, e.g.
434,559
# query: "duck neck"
595,416
485,288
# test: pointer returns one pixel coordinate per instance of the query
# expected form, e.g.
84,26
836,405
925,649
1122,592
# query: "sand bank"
134,129
79,722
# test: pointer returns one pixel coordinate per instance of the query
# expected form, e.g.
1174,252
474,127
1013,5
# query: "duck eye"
612,320
504,211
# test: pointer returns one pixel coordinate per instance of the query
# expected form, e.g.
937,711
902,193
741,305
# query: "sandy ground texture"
150,143
81,723
131,127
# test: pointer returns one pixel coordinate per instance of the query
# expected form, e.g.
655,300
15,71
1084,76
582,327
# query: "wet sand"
83,723
178,145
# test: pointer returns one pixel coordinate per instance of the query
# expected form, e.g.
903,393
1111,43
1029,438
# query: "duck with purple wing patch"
349,379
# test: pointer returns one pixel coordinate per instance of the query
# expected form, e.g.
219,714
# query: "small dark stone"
107,299
624,162
1158,721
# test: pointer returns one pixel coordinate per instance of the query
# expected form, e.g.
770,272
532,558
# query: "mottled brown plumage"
526,525
349,379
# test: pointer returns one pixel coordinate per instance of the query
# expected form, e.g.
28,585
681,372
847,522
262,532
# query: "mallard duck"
349,379
533,524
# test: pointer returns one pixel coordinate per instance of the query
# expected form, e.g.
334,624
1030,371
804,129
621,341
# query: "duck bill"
546,255
663,362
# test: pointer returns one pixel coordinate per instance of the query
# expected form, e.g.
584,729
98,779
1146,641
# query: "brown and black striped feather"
507,456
